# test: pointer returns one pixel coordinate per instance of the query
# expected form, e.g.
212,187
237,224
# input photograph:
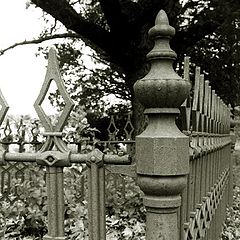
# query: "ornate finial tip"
52,51
52,54
162,27
162,18
53,48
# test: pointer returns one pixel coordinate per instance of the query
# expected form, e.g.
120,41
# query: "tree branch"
148,9
113,13
207,23
89,31
40,40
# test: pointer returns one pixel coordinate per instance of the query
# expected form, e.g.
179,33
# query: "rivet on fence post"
162,150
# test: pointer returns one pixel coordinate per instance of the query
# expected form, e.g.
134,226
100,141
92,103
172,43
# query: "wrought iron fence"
186,176
24,135
206,120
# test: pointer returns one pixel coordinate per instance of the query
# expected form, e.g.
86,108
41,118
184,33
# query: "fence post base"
162,207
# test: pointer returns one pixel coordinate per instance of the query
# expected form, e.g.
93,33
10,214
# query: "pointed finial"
161,87
52,57
162,18
162,27
53,74
52,52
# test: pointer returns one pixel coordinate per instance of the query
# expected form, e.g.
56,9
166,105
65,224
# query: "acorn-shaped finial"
161,87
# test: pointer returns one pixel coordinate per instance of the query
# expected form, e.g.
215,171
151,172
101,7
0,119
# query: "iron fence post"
162,150
56,206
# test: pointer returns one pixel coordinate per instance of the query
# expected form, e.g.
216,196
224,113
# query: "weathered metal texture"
55,155
56,206
162,92
128,128
210,178
127,142
59,159
27,139
112,129
162,150
96,196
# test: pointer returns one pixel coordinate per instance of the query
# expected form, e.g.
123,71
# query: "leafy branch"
40,40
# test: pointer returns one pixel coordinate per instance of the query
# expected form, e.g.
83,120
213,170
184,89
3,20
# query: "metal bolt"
50,159
93,158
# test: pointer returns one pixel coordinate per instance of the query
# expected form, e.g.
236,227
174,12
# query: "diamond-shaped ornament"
4,108
53,74
128,128
112,129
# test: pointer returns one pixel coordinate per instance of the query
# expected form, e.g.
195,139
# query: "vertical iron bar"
90,198
54,180
95,201
102,203
96,204
60,202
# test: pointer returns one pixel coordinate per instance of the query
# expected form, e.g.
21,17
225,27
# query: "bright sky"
21,73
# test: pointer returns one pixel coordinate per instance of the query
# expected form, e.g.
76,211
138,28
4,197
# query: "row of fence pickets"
200,219
202,112
206,114
19,133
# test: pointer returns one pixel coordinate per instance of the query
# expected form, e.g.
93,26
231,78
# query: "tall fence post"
162,150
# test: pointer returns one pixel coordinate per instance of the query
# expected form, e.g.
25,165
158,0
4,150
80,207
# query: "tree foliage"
116,31
89,80
218,55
